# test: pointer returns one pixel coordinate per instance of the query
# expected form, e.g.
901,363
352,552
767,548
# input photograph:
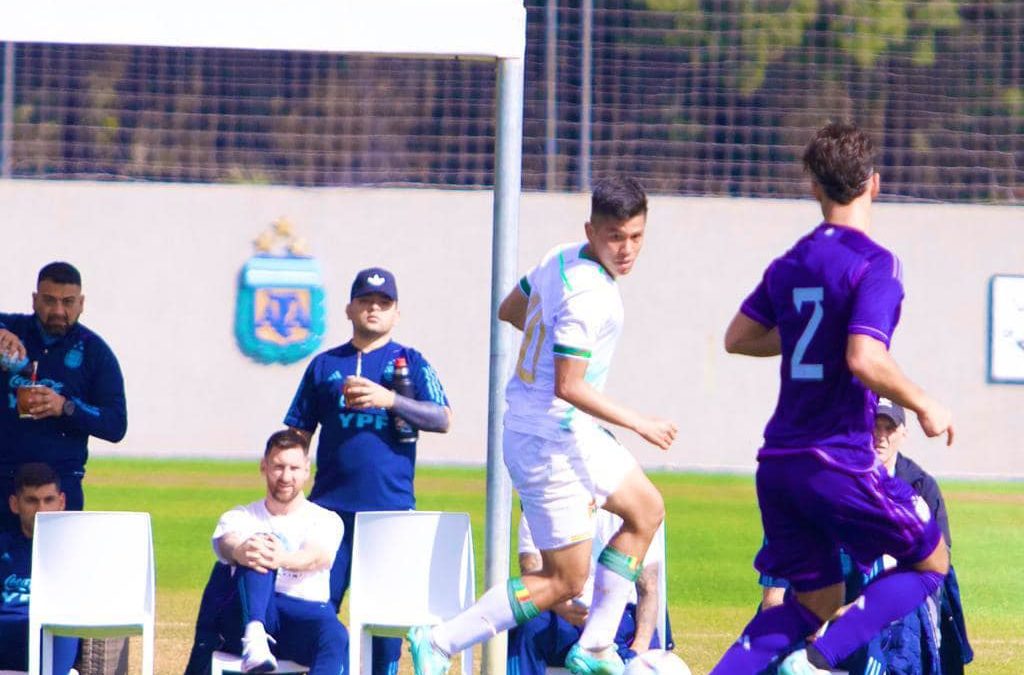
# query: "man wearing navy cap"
890,434
935,633
362,463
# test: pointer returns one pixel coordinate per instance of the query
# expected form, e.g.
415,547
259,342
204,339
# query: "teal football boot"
583,662
426,658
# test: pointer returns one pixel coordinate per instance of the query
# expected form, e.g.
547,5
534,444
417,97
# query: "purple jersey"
835,281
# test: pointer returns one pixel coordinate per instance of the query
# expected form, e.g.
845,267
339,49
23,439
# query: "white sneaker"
797,664
256,655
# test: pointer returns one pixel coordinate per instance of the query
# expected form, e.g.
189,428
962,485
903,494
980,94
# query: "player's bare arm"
870,361
244,551
571,386
572,611
513,308
646,608
772,596
750,338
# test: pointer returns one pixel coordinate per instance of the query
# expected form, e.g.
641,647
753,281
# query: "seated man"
36,488
933,638
545,640
277,592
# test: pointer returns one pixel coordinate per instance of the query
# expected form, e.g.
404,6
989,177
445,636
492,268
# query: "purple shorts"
810,508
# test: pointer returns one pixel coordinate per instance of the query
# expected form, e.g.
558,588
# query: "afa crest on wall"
279,313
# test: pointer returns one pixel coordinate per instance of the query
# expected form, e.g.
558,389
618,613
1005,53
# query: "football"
657,662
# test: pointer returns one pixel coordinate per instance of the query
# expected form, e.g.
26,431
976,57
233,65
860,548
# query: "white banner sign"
1006,329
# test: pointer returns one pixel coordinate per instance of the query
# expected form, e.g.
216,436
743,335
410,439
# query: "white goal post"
484,29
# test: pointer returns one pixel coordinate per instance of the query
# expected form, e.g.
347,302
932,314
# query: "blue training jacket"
79,366
910,645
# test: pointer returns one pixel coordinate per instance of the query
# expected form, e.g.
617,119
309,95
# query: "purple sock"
768,634
889,597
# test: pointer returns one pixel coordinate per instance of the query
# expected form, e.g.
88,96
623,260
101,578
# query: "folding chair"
408,568
92,576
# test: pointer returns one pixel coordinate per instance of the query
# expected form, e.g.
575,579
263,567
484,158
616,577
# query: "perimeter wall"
160,266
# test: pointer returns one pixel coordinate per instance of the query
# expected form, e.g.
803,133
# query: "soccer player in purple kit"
829,306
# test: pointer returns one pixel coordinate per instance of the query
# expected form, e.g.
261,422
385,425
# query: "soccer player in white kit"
562,463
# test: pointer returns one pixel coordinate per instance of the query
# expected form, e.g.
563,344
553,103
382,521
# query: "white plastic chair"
409,568
92,576
223,662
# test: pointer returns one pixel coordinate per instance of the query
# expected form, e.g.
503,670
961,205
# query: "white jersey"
309,524
606,525
574,311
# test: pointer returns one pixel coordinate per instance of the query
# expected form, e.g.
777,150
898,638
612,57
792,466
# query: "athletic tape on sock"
523,608
623,564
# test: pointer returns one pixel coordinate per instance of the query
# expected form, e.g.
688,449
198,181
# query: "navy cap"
375,280
893,411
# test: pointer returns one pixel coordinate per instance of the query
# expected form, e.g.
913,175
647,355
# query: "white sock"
254,630
611,592
491,615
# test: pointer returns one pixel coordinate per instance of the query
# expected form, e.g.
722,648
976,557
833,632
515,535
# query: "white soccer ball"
657,662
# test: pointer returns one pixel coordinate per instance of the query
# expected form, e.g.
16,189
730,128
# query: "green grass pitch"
713,532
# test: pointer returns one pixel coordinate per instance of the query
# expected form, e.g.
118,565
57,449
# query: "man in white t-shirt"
545,640
560,460
281,548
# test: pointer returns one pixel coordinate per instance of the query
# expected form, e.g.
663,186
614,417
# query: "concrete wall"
160,262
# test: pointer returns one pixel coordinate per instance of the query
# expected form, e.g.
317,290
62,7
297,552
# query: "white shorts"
561,483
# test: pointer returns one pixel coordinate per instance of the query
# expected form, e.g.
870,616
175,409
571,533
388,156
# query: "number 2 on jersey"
533,336
798,370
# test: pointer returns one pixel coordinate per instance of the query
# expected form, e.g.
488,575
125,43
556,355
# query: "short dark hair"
285,439
35,474
60,273
618,198
841,159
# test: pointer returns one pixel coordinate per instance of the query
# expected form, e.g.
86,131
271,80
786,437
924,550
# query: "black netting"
699,97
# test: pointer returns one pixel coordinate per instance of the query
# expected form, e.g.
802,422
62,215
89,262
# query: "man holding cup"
59,384
363,462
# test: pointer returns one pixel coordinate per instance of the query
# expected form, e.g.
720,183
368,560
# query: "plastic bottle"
12,364
402,384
